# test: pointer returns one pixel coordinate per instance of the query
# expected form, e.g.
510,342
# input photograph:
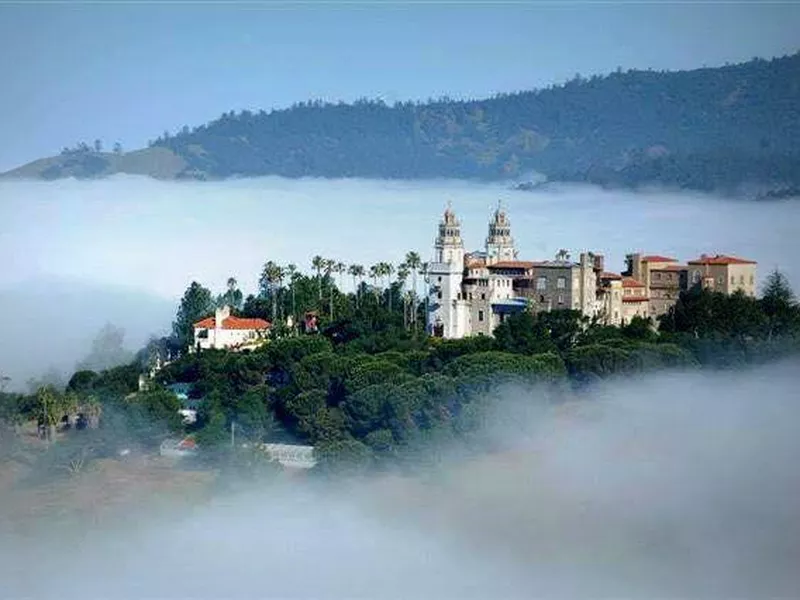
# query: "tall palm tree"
340,269
269,281
329,265
424,271
402,276
413,262
374,273
388,270
291,273
357,272
318,264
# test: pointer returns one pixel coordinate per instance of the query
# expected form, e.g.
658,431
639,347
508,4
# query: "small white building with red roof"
224,331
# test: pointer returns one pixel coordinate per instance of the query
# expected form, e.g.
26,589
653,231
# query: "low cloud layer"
153,238
671,485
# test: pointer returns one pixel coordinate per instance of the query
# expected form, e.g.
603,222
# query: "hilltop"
724,128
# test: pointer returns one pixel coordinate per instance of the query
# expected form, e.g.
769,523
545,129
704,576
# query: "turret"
499,243
449,247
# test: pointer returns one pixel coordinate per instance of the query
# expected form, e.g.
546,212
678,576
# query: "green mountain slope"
708,128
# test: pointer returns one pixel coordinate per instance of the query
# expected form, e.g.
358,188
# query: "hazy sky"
125,72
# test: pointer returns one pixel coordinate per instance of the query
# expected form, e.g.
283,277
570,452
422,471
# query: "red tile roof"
607,275
635,298
721,259
513,264
233,323
658,258
630,282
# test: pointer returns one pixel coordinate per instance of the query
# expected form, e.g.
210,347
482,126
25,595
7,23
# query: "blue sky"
127,71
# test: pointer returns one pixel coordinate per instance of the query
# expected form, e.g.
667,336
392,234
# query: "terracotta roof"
721,259
635,298
607,275
513,264
670,268
630,282
233,323
658,258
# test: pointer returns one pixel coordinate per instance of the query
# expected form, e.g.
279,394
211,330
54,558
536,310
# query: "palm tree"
413,262
357,272
340,269
402,275
374,273
318,264
388,270
329,265
423,269
291,273
271,276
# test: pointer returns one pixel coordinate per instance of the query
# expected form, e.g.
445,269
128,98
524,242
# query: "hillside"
710,128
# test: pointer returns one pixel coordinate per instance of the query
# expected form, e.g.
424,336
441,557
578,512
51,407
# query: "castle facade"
471,293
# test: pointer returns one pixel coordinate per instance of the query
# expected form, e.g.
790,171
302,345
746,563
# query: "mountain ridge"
713,128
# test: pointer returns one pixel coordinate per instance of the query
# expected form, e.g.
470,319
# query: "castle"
471,293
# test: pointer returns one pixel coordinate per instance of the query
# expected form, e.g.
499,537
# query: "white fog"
80,254
672,485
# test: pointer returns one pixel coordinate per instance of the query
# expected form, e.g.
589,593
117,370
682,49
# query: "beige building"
471,293
609,298
721,273
635,301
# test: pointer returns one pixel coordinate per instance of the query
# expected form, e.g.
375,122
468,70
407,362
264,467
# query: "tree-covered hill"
710,128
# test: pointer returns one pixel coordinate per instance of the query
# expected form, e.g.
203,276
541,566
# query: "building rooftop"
232,323
630,282
721,259
608,275
658,258
514,264
635,299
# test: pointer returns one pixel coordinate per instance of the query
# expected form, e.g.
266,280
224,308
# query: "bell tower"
499,243
448,311
449,247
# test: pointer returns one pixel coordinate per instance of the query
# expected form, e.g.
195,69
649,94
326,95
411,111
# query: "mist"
667,485
126,248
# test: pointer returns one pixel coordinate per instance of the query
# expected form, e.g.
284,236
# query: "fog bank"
669,485
155,237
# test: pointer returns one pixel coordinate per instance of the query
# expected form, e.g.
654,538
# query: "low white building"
223,331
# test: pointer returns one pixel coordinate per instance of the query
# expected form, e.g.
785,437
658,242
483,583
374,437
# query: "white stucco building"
229,332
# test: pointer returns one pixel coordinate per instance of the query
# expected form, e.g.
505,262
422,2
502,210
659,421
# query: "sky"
125,72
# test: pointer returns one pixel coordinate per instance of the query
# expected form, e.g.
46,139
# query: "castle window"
440,279
439,295
541,283
741,279
561,283
560,299
483,296
480,315
733,280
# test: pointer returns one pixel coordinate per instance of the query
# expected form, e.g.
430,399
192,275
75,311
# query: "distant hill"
733,127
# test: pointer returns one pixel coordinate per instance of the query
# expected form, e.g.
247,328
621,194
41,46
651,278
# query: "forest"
369,388
732,128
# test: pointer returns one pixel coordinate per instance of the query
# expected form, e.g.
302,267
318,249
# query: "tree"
117,148
48,411
318,264
357,272
196,304
414,263
232,296
293,275
269,283
98,146
107,350
779,305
